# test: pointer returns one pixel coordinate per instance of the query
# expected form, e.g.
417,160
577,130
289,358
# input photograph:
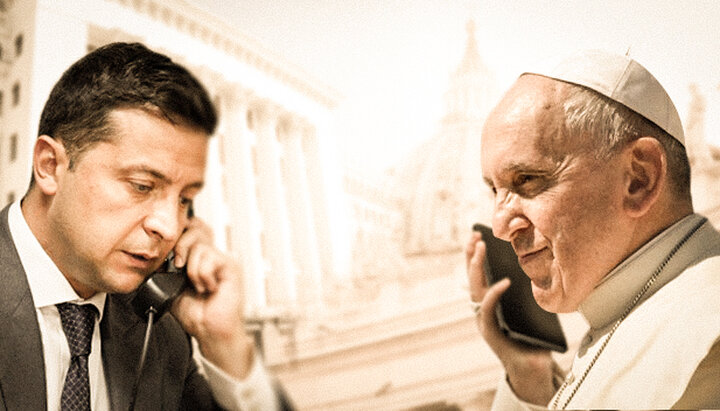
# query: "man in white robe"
592,187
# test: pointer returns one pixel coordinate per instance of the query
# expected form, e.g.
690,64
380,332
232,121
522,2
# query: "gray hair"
613,126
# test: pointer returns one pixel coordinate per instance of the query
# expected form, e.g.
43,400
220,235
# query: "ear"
645,175
50,162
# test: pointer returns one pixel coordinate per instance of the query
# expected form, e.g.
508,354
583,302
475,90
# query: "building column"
244,220
281,278
212,204
330,219
302,228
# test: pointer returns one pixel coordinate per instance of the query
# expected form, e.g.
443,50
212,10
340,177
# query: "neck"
35,209
656,221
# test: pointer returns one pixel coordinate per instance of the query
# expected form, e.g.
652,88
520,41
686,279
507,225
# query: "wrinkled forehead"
530,116
532,95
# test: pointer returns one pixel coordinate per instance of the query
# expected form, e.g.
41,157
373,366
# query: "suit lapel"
123,333
22,376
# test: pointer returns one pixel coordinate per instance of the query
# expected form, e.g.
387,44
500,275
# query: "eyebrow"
515,167
145,169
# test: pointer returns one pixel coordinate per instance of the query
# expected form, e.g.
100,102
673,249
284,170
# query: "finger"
487,320
204,268
209,269
476,273
196,257
195,232
470,247
186,309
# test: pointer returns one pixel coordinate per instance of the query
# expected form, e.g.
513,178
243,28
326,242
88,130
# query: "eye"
528,185
490,185
186,202
522,179
141,187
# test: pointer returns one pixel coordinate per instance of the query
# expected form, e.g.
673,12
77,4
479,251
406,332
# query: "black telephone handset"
160,289
153,298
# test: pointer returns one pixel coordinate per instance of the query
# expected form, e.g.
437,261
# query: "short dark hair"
121,75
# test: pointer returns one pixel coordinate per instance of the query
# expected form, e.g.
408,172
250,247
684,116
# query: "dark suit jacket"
170,380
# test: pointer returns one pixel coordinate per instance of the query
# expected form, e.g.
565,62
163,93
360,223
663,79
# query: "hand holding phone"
160,289
531,371
518,314
212,310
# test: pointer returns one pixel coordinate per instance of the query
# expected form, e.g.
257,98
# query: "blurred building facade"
271,187
356,287
401,335
700,123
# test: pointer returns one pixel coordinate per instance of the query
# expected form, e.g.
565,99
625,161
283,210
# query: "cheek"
99,213
569,225
584,245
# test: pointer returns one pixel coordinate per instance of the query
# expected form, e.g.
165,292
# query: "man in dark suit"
120,156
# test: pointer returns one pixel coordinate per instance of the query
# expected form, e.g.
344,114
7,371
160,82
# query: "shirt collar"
48,285
612,296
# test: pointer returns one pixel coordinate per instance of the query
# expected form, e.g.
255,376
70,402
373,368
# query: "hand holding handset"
161,288
518,314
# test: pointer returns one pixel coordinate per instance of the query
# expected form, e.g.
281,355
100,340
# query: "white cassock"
665,352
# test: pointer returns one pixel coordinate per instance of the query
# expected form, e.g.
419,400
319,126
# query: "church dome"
441,183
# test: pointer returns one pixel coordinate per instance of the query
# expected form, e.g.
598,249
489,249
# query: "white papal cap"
621,79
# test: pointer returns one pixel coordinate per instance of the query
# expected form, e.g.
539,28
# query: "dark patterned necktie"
78,322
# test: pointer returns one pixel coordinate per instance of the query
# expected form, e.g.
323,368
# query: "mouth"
540,280
141,260
528,257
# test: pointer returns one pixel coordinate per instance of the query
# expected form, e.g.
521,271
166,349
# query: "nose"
508,217
163,221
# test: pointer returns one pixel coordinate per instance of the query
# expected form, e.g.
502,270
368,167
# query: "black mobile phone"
518,314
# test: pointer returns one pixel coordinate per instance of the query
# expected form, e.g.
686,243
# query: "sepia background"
345,172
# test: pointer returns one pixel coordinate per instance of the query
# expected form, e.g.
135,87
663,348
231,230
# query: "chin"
125,283
550,300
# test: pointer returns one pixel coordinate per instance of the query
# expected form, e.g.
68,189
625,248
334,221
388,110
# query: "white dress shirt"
50,287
